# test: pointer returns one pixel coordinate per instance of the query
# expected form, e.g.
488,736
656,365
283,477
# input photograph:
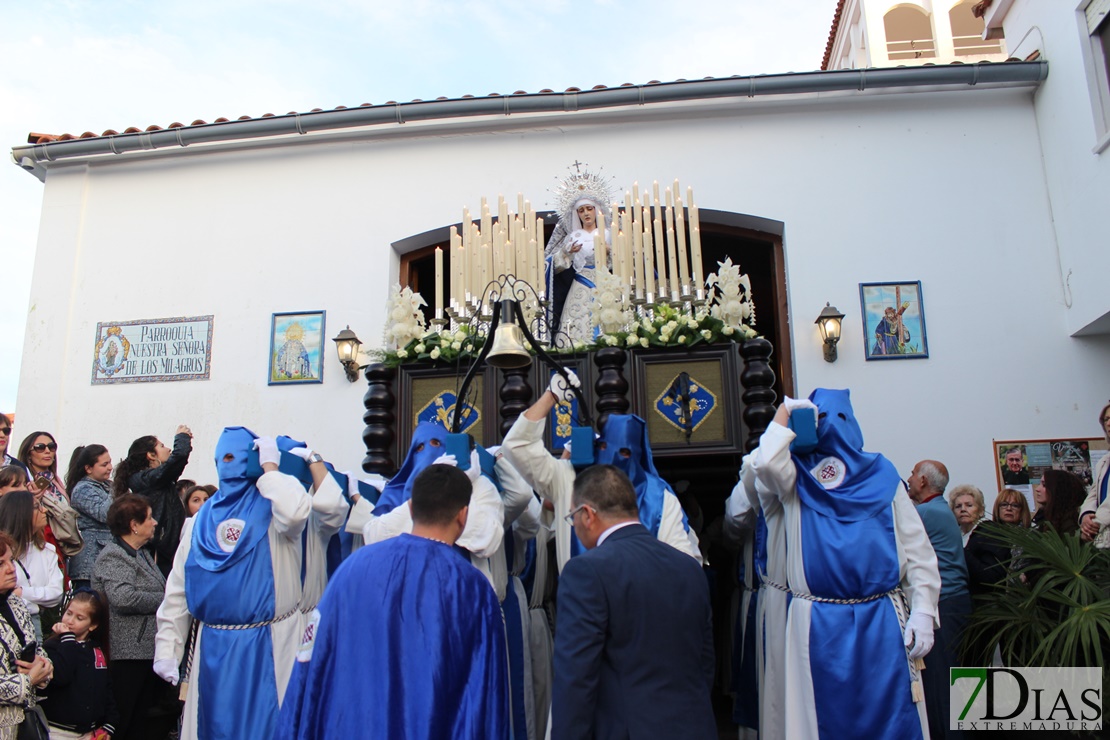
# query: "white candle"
660,248
639,281
649,263
439,283
600,262
683,255
672,250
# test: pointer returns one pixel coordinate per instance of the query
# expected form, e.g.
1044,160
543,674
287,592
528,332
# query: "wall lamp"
347,345
829,323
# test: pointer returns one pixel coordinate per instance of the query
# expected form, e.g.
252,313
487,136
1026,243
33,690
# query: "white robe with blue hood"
852,534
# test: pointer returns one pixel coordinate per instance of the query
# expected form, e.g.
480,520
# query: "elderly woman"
39,453
125,572
968,506
23,518
1095,512
987,558
89,482
18,679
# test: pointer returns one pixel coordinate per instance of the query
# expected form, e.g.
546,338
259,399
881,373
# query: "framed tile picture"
296,348
893,321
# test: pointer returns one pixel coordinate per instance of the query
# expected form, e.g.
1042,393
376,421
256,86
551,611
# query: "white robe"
554,480
291,507
792,714
329,512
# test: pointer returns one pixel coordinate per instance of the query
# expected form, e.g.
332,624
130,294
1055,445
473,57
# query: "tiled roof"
42,138
832,33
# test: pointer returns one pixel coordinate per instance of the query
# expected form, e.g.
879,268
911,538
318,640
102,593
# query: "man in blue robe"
861,576
408,641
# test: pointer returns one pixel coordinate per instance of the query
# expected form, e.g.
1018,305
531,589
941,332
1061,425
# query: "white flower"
434,353
727,331
632,340
649,327
682,340
402,354
692,323
419,349
456,346
612,341
470,348
406,322
460,336
707,334
644,342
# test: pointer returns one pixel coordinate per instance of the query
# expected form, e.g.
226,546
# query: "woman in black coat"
151,470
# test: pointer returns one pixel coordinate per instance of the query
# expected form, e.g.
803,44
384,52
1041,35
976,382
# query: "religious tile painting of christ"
297,348
893,321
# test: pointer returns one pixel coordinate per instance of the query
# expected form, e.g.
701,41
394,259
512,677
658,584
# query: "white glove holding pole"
919,635
267,452
561,390
793,404
302,452
167,667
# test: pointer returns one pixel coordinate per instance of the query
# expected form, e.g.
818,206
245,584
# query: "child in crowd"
78,701
195,497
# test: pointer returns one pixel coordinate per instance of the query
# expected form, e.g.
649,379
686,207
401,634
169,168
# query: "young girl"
78,701
195,496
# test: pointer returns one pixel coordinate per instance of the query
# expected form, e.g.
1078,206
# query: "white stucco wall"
1078,177
946,188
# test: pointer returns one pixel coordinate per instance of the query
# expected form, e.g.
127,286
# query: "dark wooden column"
611,387
515,394
758,380
379,419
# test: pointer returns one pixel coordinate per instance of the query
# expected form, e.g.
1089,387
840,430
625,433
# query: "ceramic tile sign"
152,350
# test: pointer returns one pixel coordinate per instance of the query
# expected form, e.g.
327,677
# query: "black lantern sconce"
829,323
347,345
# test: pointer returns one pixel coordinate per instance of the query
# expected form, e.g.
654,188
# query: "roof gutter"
34,157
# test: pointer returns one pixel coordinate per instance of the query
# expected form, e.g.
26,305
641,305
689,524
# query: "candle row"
486,248
650,251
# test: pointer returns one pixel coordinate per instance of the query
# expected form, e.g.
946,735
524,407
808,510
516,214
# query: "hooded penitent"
229,581
627,432
427,445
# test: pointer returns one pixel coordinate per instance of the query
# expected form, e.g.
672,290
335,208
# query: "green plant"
1054,608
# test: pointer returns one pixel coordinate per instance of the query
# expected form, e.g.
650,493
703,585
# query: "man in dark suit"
633,637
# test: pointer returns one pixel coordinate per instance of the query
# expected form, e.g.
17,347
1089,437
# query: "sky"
71,67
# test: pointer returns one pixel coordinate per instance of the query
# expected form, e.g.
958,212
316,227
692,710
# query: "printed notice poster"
152,350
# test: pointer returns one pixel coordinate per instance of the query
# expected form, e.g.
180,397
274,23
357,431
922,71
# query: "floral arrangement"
727,316
609,308
406,322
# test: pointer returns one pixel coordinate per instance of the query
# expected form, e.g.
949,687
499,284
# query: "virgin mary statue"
570,255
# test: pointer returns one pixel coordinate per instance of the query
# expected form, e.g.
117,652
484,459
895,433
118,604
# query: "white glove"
267,453
793,404
472,473
560,389
919,634
302,452
167,667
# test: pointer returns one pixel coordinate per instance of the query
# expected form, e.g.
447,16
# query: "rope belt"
827,600
267,623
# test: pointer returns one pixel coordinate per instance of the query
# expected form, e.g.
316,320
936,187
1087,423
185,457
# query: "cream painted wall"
870,188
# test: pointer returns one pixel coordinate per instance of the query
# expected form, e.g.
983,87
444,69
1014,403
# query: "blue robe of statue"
408,642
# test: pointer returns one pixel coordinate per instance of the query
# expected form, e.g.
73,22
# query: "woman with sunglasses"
23,518
5,438
39,453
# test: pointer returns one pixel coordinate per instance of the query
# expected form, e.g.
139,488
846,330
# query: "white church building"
986,182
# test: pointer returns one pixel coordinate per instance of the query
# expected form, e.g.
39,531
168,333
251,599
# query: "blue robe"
408,642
